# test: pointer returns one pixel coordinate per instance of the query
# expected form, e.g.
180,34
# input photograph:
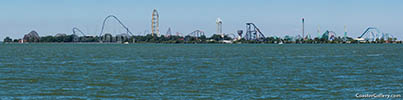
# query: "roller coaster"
233,36
169,32
372,36
329,35
117,19
179,34
387,36
253,33
197,33
75,29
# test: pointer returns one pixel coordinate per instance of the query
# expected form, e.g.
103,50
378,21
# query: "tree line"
107,38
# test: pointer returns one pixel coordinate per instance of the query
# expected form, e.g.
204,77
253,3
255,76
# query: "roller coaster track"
197,33
75,29
233,36
117,19
179,34
253,33
330,35
169,32
371,28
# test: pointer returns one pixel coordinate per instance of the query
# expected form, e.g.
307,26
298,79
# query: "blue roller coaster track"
371,28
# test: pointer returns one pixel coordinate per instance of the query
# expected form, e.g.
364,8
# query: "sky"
273,17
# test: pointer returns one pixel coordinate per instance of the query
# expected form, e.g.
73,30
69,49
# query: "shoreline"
189,43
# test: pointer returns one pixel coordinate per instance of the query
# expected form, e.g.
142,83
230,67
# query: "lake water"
199,71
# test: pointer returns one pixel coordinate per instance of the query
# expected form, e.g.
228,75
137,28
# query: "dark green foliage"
66,38
7,39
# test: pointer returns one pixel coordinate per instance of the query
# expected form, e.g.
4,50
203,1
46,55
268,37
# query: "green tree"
216,37
16,40
47,39
7,39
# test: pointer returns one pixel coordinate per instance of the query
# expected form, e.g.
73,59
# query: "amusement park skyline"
273,17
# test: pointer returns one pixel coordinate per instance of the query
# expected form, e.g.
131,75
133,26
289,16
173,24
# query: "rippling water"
200,71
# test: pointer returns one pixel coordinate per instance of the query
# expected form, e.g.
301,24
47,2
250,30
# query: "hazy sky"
273,17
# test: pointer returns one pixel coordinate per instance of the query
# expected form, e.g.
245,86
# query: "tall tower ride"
303,28
219,27
155,23
345,31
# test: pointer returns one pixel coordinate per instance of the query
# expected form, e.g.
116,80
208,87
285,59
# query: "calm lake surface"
199,71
